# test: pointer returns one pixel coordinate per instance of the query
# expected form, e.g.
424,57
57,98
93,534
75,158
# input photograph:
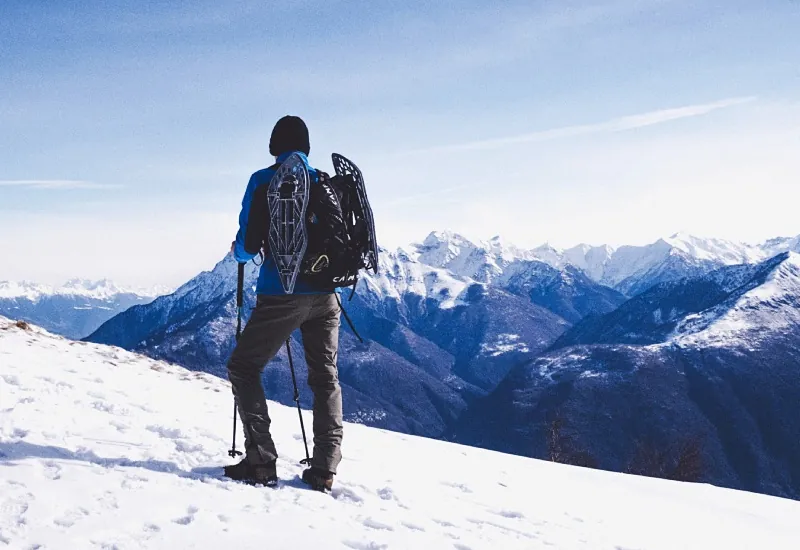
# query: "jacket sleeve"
239,253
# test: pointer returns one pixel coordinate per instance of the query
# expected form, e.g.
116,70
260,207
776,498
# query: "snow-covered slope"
399,274
74,309
766,303
98,451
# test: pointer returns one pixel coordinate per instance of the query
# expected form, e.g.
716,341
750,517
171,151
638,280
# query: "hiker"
276,315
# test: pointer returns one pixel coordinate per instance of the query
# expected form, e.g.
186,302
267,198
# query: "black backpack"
339,240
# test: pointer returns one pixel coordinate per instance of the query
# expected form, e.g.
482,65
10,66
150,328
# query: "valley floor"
102,448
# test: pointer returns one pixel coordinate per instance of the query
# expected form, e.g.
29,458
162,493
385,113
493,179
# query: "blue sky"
128,130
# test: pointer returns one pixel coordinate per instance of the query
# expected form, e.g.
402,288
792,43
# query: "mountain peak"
448,237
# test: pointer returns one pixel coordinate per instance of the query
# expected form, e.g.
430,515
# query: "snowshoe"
287,199
346,168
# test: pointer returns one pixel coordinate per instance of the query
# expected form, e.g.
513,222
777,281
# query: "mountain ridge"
711,359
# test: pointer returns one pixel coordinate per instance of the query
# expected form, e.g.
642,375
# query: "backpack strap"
323,177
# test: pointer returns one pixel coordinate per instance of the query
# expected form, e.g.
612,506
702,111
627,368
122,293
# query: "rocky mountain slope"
710,361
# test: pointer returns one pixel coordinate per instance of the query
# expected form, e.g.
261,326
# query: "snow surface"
102,448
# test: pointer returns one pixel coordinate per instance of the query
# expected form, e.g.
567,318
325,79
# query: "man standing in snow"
273,320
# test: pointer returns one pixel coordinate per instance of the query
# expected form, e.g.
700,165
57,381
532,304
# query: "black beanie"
290,134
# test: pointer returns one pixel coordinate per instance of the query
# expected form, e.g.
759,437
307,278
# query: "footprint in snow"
71,517
52,470
347,495
374,524
120,426
110,408
19,433
412,526
188,518
388,494
444,523
460,486
10,379
165,432
185,447
511,514
132,482
109,500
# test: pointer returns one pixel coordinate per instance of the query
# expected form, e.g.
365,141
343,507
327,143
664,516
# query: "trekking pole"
307,460
233,453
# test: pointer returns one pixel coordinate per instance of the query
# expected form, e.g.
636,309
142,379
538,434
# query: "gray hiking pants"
272,321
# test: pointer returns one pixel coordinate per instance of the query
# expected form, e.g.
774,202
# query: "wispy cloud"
620,124
57,184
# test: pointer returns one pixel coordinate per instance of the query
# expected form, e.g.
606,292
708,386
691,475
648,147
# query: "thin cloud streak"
57,184
621,124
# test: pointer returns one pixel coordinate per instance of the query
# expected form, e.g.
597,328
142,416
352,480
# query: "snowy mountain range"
102,448
628,269
712,359
75,309
460,312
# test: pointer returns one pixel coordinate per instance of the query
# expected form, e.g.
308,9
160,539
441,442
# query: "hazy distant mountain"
75,309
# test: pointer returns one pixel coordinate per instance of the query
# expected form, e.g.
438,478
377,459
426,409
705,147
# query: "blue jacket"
268,281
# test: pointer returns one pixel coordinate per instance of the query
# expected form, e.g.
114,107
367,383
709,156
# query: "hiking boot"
259,474
317,479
